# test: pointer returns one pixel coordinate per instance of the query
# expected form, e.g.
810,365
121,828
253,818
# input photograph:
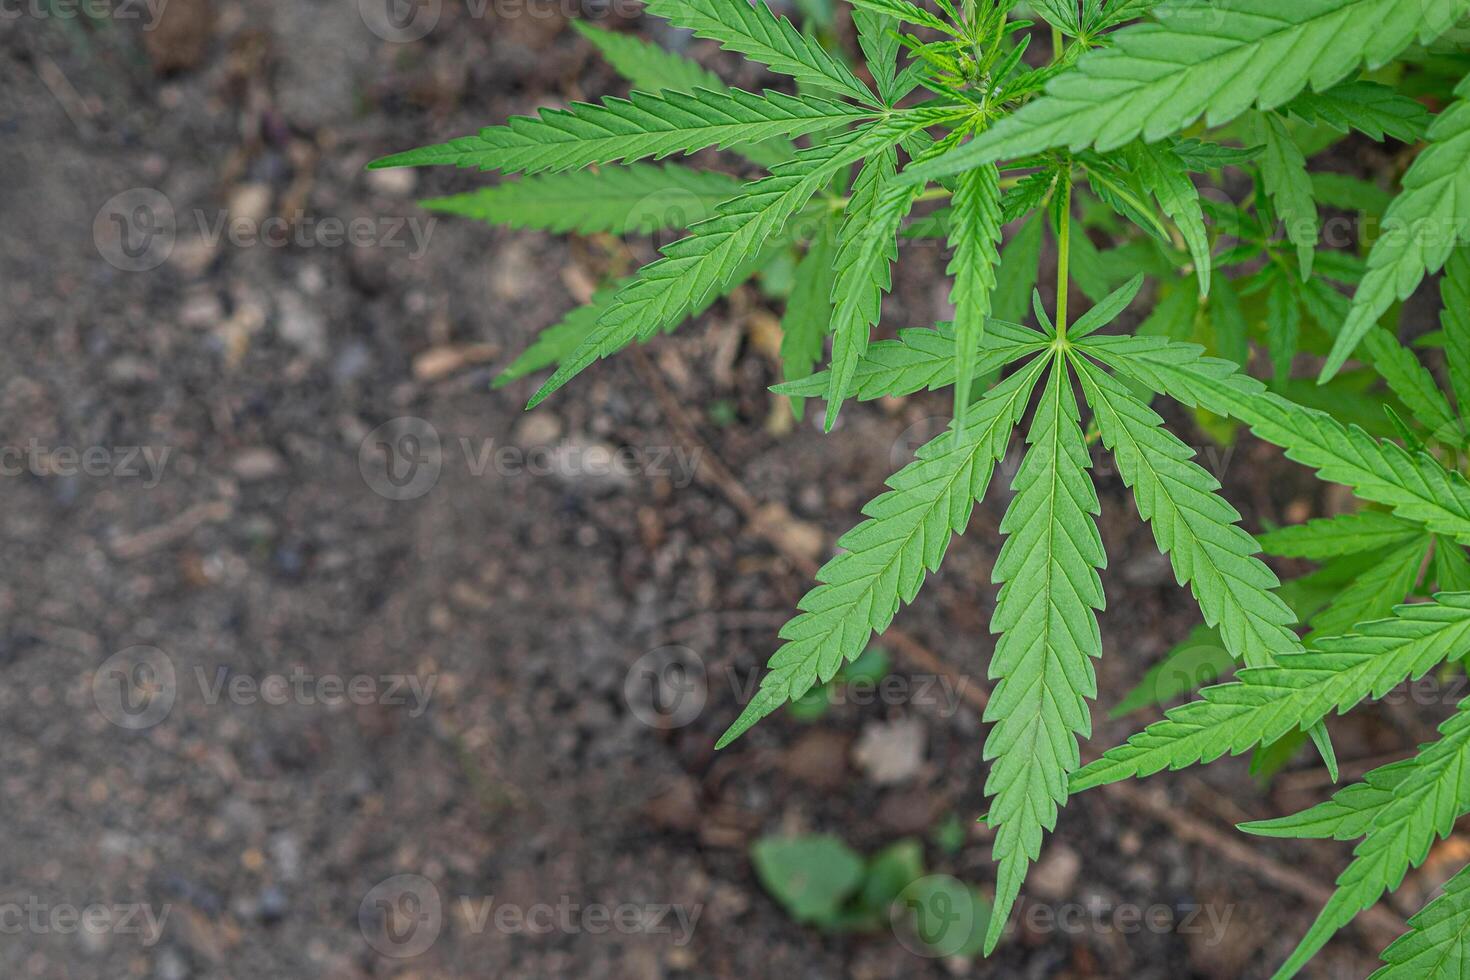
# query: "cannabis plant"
1180,132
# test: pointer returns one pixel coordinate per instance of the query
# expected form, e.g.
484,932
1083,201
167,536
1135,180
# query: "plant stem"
1064,253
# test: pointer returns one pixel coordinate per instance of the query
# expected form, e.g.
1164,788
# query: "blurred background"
320,658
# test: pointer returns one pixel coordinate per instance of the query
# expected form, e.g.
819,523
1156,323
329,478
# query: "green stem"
1064,254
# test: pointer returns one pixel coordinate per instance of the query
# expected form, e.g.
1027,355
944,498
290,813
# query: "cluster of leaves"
1181,132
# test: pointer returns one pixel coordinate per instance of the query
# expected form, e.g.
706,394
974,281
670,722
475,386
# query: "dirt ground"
203,507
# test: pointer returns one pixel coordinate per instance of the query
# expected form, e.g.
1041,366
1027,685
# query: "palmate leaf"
886,557
922,359
1425,804
1284,169
1370,108
1422,227
1345,534
752,30
1215,60
637,199
664,292
975,239
625,130
1414,484
1437,947
1265,703
650,68
1046,615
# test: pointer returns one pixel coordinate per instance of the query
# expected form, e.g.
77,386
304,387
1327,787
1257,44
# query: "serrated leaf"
709,260
867,246
1373,594
1214,60
1370,108
1201,157
1437,947
751,29
1046,615
923,359
975,239
1284,169
1412,382
1415,485
1196,528
1422,227
1265,703
1424,806
1061,14
637,199
894,11
560,339
1113,186
1028,194
1122,11
1451,566
1164,174
1108,309
646,66
880,44
626,130
886,557
1345,534
1347,816
650,68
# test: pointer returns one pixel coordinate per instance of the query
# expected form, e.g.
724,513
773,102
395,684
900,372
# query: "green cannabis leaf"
1168,154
